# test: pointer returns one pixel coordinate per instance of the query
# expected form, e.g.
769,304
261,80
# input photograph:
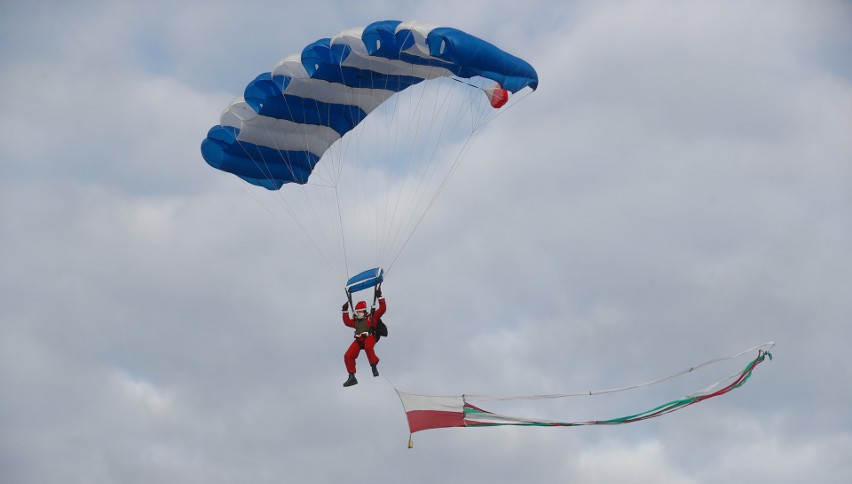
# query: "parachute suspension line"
416,107
336,159
393,208
390,109
343,144
392,193
441,126
305,241
311,245
383,197
371,188
381,225
441,112
477,122
342,233
346,143
396,219
423,164
365,192
303,189
282,201
431,202
345,155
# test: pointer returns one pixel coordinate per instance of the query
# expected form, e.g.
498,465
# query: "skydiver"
366,325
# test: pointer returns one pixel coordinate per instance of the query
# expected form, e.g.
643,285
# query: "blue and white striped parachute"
288,119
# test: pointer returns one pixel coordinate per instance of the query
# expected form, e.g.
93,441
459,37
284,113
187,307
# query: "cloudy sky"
679,188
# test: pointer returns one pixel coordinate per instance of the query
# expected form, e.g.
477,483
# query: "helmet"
360,307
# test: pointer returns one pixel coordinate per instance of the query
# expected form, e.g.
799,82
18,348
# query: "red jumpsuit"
367,340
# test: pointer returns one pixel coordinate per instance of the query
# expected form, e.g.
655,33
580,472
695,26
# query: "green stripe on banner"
658,411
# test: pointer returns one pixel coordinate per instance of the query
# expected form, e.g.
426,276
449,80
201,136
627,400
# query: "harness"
362,327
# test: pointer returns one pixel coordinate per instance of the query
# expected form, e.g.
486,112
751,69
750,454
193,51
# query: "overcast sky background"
679,188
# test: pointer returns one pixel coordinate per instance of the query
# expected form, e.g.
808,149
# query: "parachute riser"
349,298
376,289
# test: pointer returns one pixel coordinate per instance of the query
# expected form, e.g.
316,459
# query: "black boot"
375,370
351,381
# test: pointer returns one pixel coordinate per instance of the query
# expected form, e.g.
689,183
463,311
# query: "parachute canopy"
278,131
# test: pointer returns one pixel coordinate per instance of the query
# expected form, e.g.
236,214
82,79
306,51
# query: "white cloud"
142,395
645,462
